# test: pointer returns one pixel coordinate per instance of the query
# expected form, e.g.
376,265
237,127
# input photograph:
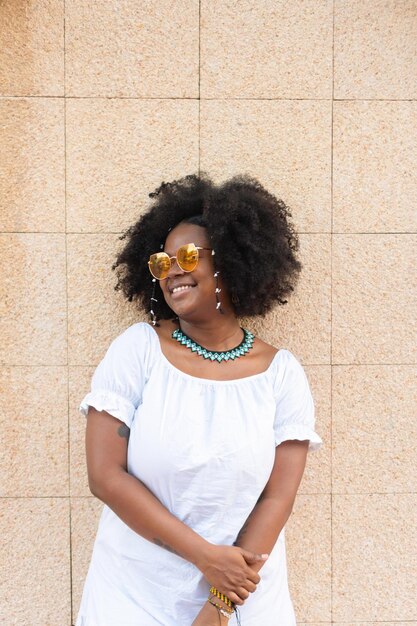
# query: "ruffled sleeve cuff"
103,400
302,432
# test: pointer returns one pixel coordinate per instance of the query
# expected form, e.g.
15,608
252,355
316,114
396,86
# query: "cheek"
205,279
163,288
205,272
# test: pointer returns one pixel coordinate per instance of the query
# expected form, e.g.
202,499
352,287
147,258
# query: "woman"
197,431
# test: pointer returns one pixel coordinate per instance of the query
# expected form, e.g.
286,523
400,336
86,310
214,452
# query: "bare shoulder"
263,353
264,349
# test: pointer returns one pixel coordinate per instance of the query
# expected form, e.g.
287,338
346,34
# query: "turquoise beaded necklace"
213,355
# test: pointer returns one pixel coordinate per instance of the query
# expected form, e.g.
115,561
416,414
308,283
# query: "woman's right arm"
225,567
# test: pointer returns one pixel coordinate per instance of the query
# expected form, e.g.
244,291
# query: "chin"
190,313
185,313
179,310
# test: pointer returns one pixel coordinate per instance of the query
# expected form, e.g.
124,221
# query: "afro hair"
248,227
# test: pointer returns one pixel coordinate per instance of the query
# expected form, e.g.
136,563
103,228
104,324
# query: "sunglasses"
186,257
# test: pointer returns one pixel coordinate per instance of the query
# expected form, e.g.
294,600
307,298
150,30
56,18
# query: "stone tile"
120,150
141,50
96,313
85,514
374,557
266,49
79,385
34,425
374,299
34,562
316,478
308,540
303,325
32,172
286,144
32,48
374,429
374,49
32,299
375,156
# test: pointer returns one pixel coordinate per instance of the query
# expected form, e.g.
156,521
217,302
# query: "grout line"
120,232
214,98
199,87
45,497
367,493
300,493
357,493
331,328
67,308
305,363
97,97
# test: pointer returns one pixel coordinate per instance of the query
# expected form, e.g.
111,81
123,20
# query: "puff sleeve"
295,415
118,381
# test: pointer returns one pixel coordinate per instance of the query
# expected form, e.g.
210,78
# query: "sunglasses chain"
154,319
217,292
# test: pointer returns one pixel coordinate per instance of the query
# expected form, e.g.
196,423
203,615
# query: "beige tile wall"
99,102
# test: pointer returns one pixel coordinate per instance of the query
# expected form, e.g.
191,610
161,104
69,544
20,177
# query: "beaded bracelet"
221,610
221,596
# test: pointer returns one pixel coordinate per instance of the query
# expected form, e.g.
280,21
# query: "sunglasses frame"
197,248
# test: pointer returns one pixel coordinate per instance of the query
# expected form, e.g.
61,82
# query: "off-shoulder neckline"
212,381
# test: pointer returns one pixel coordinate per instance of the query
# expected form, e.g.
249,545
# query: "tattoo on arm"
161,544
123,431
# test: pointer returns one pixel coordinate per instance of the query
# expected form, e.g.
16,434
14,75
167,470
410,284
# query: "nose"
175,269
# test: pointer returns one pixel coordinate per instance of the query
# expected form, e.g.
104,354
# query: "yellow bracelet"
221,596
214,600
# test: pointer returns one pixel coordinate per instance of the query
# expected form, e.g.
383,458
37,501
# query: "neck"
216,334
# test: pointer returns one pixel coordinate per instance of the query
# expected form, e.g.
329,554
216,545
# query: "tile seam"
331,320
67,329
199,87
301,493
305,363
120,232
214,98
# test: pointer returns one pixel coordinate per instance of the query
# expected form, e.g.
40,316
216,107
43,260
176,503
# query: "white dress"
205,448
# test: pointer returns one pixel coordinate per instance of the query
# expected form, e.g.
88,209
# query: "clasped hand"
228,569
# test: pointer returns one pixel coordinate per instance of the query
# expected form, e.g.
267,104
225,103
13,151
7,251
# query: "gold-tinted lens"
159,265
187,257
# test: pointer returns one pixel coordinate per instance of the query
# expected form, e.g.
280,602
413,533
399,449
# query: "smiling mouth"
182,288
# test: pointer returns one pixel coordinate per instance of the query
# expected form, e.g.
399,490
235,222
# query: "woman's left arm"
260,531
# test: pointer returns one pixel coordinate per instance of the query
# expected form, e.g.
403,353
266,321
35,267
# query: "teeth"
181,288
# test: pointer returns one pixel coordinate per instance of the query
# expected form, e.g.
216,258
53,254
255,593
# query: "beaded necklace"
240,350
